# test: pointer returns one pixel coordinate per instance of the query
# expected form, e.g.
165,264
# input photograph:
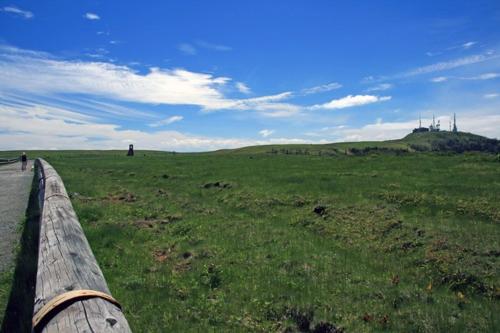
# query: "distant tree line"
305,151
459,146
368,150
452,144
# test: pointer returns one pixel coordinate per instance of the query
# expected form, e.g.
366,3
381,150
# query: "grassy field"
250,240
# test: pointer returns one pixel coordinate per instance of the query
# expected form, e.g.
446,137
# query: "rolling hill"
413,142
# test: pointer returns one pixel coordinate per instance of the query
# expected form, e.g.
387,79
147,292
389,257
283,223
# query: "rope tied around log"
56,195
57,303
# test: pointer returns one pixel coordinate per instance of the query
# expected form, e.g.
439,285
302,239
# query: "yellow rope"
59,300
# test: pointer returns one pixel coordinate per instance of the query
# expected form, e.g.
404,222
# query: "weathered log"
66,263
9,160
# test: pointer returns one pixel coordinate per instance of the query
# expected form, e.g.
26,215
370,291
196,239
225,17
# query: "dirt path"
15,187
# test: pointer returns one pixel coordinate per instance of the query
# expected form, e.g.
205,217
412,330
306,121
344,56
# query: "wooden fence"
71,292
9,160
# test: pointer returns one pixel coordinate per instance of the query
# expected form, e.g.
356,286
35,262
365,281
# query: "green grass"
405,243
5,287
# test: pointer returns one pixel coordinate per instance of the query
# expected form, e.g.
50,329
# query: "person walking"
24,161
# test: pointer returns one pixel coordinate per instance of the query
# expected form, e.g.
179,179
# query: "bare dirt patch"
149,223
320,210
121,197
218,184
162,255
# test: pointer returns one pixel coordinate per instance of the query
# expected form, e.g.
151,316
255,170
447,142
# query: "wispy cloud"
482,77
243,88
491,96
269,106
436,67
166,121
464,46
16,11
55,77
321,88
91,16
433,54
439,79
33,127
99,53
487,124
270,98
192,48
485,76
266,132
446,65
187,49
85,106
468,45
351,101
380,87
212,46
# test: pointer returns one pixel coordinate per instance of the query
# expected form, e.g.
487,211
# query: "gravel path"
15,187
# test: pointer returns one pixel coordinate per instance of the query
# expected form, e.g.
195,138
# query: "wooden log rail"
9,160
71,292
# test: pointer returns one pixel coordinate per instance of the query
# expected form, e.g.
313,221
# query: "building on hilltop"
420,129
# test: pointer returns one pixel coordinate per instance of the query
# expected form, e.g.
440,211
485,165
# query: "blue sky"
204,75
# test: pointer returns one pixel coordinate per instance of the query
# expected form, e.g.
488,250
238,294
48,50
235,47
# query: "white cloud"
439,79
49,76
369,79
321,88
468,45
433,54
437,67
464,46
269,98
279,110
445,65
99,53
86,108
491,96
327,131
485,76
14,10
351,101
40,128
187,49
380,87
91,16
37,73
215,47
243,88
269,106
265,133
378,131
486,124
166,121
